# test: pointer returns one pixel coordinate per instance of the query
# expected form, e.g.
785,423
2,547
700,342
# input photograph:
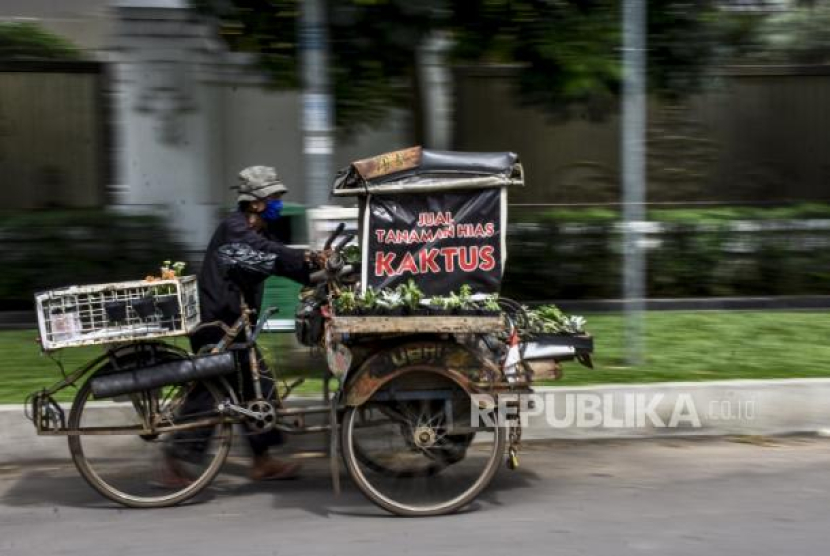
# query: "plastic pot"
144,307
116,311
170,310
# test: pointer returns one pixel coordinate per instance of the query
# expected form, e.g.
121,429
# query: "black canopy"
425,167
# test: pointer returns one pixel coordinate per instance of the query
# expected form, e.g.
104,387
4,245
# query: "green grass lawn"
681,346
711,345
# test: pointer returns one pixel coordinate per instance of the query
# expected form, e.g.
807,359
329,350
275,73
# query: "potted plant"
411,296
368,301
438,305
466,304
549,319
453,303
490,305
167,298
345,303
390,302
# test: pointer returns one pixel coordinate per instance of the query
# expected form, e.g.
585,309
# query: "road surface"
672,497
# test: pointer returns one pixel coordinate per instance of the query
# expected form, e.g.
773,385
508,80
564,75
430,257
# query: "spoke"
436,419
409,415
176,397
422,416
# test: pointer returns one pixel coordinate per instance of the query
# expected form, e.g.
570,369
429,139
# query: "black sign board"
440,239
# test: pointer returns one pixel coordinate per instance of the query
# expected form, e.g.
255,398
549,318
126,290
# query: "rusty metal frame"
361,383
356,389
111,354
136,429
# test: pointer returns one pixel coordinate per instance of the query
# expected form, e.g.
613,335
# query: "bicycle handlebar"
337,232
319,277
335,266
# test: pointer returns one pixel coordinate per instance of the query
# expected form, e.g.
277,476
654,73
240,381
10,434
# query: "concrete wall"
190,115
186,116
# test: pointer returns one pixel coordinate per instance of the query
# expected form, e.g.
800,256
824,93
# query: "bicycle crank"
259,414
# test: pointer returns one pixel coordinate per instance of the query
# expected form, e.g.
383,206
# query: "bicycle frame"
49,417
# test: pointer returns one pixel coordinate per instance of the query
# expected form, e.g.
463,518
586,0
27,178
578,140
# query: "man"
220,292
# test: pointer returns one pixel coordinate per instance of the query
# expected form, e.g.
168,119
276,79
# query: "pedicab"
410,322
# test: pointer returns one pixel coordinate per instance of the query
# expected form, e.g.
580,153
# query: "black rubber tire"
169,499
353,457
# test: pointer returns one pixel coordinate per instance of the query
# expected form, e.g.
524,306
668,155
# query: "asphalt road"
635,497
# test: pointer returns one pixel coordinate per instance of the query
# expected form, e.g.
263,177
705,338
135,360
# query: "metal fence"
53,134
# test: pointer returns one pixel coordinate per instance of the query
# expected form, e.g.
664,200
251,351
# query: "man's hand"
318,259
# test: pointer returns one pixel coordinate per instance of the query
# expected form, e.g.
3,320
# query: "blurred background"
123,124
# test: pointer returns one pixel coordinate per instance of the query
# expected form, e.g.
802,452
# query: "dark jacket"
219,291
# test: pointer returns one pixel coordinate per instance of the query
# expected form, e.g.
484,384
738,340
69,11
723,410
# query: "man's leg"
190,446
265,467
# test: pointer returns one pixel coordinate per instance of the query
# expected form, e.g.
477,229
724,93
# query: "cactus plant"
390,301
491,303
411,295
368,301
345,303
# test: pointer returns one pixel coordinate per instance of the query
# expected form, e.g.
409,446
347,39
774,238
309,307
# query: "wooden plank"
416,324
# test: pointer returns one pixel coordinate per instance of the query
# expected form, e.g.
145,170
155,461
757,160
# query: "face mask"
273,209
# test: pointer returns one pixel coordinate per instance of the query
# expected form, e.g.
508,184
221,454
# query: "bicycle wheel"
128,466
412,449
454,450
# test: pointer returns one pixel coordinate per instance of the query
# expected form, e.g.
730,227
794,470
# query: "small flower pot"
116,311
489,312
144,307
170,310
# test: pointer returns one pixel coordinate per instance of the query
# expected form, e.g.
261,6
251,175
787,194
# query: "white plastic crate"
117,312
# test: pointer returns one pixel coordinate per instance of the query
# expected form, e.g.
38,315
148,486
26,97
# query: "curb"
716,408
20,443
722,408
